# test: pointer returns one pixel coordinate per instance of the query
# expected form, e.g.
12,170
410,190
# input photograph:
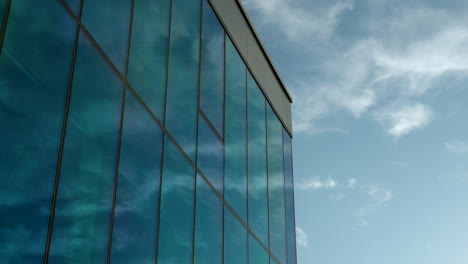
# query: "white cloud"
351,183
316,184
457,147
301,237
378,198
402,119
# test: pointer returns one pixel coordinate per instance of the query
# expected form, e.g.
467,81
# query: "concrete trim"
239,28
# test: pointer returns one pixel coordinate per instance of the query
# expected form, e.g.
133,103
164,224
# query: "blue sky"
380,121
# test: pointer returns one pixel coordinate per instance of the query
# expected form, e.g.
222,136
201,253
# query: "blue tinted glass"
182,87
74,5
212,68
108,21
235,239
257,253
148,52
208,225
236,132
289,189
34,71
276,186
136,209
176,213
258,192
210,155
84,199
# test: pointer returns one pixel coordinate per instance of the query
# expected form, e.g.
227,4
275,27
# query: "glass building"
141,131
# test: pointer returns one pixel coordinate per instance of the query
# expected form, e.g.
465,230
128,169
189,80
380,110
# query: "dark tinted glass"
34,71
84,201
235,240
74,5
208,225
176,213
136,209
276,186
258,192
108,21
289,189
257,253
148,52
236,132
182,87
210,155
212,68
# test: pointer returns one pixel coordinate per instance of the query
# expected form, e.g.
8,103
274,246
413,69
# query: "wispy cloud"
301,237
299,24
399,120
351,183
378,198
316,184
457,147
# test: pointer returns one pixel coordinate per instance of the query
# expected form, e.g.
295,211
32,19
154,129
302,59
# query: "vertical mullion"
267,184
284,197
62,138
4,23
293,204
247,155
119,144
224,135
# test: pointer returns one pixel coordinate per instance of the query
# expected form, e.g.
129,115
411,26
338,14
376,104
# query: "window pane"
212,68
176,213
84,201
276,186
236,132
182,87
210,155
258,192
208,225
148,52
257,253
136,209
34,72
74,5
108,21
235,240
289,189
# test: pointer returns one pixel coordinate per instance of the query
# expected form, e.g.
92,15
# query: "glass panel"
74,5
182,87
289,189
136,209
235,239
258,192
108,21
210,155
212,68
148,52
84,201
257,253
34,72
208,225
276,186
176,213
236,132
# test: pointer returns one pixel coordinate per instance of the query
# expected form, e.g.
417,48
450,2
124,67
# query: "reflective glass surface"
34,72
210,155
208,225
148,52
109,21
235,175
235,239
84,199
74,5
182,87
289,189
136,209
257,253
277,216
177,203
258,192
212,68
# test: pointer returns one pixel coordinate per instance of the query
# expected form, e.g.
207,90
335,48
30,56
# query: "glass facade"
134,132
